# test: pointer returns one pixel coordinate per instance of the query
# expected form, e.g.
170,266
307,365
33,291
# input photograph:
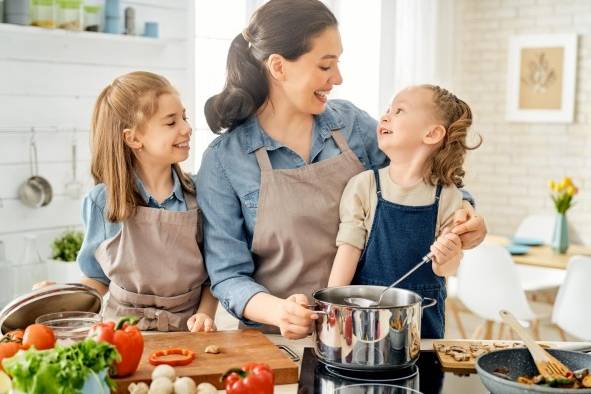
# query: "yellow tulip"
552,185
561,186
567,181
570,190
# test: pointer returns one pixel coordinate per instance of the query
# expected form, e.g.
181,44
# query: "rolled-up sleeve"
353,212
367,128
227,256
95,233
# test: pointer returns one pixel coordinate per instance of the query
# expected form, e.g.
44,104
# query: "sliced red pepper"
187,357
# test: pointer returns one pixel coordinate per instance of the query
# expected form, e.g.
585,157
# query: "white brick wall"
49,79
509,173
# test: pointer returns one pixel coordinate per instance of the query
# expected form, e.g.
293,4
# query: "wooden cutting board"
236,348
471,348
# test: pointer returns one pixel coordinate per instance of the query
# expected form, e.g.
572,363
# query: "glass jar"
69,14
43,13
94,15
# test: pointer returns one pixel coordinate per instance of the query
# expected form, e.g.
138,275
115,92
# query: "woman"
270,186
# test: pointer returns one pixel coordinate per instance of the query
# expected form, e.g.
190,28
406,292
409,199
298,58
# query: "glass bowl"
70,326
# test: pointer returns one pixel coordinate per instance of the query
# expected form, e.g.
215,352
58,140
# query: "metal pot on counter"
381,337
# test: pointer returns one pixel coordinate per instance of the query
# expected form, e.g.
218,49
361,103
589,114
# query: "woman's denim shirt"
228,184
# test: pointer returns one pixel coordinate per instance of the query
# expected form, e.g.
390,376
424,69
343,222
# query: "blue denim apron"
400,236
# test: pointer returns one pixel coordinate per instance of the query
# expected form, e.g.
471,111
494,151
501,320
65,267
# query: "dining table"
541,255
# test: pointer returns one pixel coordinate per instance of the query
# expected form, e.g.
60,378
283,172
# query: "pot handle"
292,355
432,301
313,308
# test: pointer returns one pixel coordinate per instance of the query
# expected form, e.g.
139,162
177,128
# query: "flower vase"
560,236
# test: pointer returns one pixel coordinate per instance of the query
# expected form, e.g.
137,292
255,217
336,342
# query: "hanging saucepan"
372,338
36,191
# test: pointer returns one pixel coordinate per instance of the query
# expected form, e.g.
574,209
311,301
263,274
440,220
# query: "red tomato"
40,336
8,349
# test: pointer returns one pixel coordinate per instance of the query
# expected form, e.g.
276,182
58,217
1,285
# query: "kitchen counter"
426,344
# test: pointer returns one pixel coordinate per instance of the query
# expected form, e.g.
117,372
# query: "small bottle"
130,21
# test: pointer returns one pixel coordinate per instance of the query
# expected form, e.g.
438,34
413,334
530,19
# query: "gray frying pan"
519,362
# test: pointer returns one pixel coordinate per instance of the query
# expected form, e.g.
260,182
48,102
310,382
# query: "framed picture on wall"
541,78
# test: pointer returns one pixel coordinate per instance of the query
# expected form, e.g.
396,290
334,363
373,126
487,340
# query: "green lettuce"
61,370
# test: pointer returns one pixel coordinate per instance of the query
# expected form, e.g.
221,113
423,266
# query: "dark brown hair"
283,27
446,163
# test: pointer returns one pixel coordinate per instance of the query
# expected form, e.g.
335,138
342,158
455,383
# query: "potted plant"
562,196
62,267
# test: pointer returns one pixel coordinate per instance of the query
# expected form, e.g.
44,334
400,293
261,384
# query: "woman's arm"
225,247
344,266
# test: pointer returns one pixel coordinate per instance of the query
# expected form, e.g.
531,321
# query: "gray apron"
155,267
297,221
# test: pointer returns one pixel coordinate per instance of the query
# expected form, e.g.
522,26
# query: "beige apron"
297,221
155,267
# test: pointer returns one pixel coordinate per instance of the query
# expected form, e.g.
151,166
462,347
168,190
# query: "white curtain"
423,42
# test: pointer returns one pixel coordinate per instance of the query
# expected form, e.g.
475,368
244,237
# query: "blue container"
151,29
112,9
113,25
95,384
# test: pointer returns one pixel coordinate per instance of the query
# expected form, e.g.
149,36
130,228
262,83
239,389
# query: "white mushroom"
138,388
185,385
206,388
161,385
165,371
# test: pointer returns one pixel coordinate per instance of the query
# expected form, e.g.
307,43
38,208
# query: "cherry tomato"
40,336
8,349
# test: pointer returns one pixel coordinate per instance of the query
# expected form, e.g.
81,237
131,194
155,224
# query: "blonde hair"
446,164
126,103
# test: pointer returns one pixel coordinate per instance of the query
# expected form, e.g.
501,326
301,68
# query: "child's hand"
469,226
447,253
200,322
295,320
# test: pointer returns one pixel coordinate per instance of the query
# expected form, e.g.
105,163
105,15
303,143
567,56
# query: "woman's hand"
469,226
447,253
201,322
295,320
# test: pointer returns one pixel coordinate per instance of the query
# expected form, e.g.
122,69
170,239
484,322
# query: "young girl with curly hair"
392,217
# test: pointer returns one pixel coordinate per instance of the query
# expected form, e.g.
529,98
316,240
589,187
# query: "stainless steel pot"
374,338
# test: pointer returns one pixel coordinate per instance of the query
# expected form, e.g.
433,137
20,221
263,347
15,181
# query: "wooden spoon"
549,366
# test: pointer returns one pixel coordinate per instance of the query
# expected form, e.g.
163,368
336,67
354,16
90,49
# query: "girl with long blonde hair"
143,227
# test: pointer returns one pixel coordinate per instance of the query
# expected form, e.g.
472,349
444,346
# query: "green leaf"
61,370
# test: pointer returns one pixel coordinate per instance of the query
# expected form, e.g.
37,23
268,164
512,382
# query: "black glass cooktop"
424,377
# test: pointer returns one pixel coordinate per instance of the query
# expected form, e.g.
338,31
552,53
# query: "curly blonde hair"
126,103
445,165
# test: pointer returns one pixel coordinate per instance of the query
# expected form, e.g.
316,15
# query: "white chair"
572,302
488,282
539,226
533,279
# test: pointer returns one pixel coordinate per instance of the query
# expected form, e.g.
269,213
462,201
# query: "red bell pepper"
128,340
252,378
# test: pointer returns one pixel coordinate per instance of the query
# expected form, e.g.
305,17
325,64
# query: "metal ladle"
367,303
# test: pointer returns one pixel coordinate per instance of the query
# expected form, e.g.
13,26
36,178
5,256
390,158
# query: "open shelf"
84,35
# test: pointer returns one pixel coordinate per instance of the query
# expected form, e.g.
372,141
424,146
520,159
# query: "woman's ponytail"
246,88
